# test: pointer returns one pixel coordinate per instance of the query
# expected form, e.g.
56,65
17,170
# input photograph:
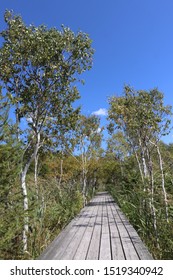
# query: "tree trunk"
163,181
152,207
24,192
145,170
25,208
84,172
36,176
143,200
163,184
17,112
140,168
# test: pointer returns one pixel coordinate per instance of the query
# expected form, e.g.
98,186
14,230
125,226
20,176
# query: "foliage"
39,68
137,121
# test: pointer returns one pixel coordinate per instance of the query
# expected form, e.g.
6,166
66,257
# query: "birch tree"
143,118
39,68
89,135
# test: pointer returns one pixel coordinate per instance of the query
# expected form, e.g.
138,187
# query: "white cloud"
98,130
100,112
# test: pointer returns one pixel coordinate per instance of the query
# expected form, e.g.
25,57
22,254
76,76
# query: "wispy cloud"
100,112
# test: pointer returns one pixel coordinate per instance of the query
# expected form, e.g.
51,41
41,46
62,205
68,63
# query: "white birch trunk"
25,195
145,170
163,184
143,201
144,165
84,171
36,175
152,207
140,168
163,181
17,112
25,208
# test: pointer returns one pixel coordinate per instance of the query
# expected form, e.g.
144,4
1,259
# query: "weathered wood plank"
94,247
82,249
141,249
105,248
116,243
128,247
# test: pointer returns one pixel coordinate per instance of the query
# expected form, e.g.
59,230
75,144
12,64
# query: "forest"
52,159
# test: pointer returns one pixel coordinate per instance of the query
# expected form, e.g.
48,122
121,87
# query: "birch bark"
163,180
25,193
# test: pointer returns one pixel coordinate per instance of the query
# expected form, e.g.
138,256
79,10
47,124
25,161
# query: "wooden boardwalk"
99,232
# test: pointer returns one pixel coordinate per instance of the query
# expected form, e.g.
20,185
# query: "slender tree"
39,68
143,118
88,137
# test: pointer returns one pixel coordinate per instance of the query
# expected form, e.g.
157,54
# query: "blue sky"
133,42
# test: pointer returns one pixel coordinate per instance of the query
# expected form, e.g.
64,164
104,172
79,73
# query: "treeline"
51,156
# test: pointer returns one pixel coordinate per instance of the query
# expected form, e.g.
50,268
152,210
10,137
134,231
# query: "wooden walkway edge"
100,232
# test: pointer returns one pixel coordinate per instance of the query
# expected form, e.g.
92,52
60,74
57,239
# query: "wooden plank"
82,249
105,247
136,240
94,247
116,243
128,247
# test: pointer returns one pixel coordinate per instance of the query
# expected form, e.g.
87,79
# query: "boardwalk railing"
100,232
